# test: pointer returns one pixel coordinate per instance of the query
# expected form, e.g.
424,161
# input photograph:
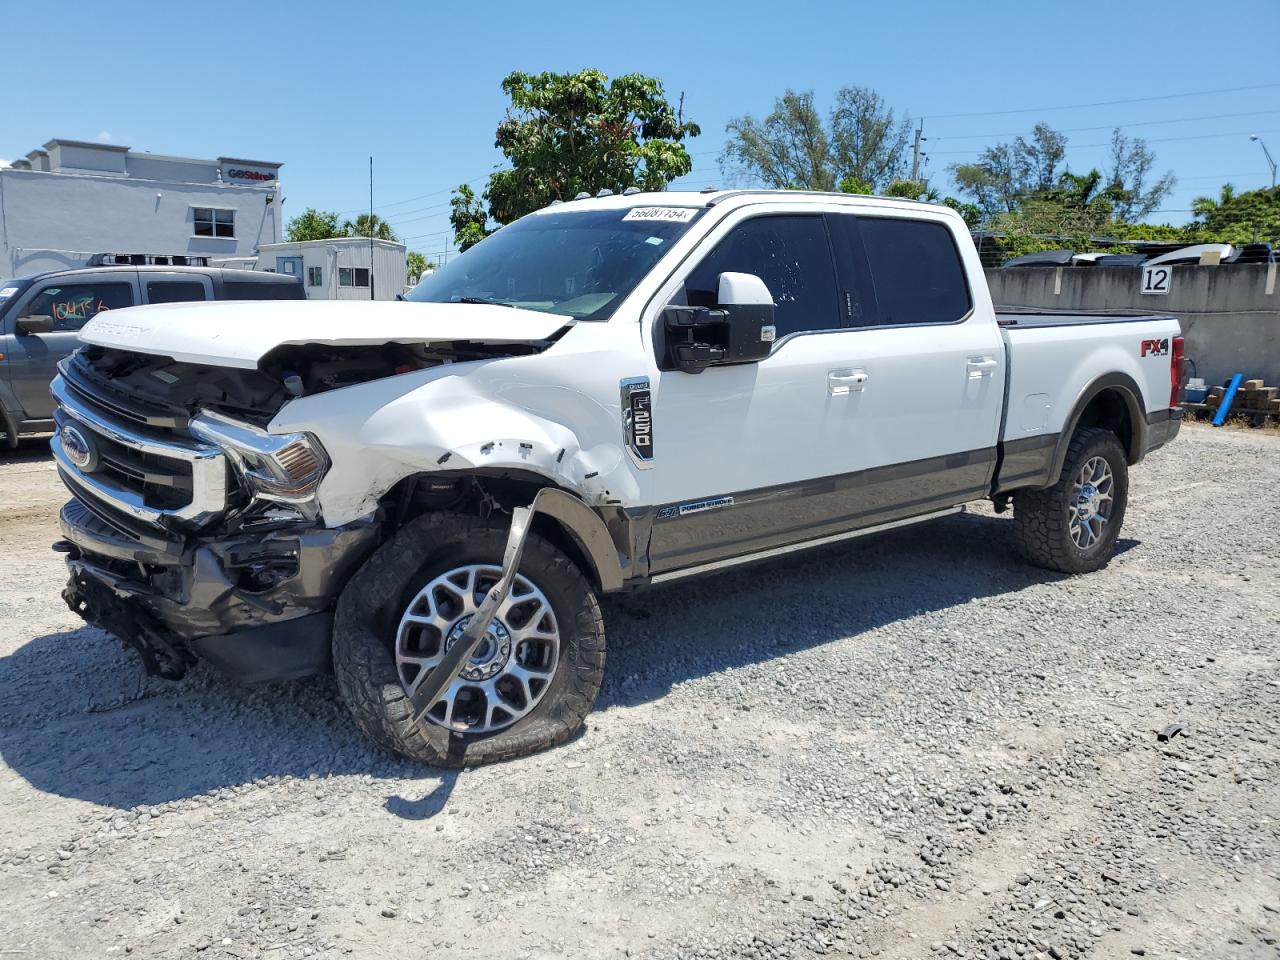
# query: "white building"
339,269
61,204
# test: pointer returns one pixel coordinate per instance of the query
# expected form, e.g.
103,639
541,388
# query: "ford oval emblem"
79,448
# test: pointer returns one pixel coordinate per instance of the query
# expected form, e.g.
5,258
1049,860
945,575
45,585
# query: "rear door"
71,301
926,373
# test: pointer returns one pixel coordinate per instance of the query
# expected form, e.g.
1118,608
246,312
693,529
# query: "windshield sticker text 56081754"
668,214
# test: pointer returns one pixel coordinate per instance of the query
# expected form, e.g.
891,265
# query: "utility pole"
915,162
371,228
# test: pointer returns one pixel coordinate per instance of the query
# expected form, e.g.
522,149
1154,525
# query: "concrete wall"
1230,314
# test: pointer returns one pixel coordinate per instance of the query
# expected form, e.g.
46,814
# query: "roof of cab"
713,198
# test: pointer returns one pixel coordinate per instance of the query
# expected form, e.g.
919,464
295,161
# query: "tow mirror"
739,330
34,323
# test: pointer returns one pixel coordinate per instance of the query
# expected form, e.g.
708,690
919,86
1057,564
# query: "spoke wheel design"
509,672
1090,502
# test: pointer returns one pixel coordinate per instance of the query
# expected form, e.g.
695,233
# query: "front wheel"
528,686
1072,526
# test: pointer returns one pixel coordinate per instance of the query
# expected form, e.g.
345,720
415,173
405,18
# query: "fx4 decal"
1155,348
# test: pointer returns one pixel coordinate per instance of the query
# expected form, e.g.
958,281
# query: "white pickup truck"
429,496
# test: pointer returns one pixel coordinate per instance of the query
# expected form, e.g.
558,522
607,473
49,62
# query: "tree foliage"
861,145
369,225
1008,176
416,265
468,218
1240,217
566,133
313,224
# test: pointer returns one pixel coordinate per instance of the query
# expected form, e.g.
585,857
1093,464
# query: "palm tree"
369,224
1204,207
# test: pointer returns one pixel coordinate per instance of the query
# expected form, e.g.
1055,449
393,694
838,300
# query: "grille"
138,465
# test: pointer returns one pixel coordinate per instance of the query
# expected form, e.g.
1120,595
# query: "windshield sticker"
8,292
656,241
666,214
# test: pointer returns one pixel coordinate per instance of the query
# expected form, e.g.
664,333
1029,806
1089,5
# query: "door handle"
842,382
981,367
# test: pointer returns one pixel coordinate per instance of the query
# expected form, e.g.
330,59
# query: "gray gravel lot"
908,746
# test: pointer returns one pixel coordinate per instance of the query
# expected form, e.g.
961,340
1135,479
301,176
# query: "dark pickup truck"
41,316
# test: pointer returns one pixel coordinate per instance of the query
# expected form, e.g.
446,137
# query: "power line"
1112,126
1082,146
1101,103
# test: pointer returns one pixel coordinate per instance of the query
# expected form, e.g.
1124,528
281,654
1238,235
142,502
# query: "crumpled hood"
241,333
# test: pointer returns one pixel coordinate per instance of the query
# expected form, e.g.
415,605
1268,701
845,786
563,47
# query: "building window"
353,276
315,277
212,222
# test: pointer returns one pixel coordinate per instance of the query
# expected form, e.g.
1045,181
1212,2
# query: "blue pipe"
1224,407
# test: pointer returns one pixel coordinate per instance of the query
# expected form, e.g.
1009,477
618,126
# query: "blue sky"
320,86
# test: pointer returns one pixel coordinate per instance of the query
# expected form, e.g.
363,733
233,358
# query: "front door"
71,301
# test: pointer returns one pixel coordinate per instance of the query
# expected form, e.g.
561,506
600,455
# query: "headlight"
284,468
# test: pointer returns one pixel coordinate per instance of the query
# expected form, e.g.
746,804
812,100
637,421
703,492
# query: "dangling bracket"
424,696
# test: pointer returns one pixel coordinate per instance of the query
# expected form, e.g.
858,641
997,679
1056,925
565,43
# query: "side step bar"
716,566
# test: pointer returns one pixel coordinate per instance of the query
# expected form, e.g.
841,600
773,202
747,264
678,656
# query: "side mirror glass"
34,323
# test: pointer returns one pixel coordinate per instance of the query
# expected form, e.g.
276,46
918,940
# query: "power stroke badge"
637,420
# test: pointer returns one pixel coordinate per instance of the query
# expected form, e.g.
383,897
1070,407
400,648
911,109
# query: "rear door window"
175,291
75,303
248,290
916,269
792,255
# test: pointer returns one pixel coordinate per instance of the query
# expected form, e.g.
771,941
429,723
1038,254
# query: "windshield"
581,264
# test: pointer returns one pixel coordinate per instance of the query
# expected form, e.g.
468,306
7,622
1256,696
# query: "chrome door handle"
842,382
981,366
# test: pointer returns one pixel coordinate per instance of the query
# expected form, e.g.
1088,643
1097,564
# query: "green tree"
1128,178
861,144
416,265
369,224
566,133
468,218
1240,217
313,224
1006,174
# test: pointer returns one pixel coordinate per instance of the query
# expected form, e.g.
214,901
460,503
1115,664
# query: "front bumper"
257,606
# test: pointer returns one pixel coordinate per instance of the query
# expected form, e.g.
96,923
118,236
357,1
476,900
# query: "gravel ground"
908,746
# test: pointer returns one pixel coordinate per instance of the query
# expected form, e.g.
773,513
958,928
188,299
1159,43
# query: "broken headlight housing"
278,468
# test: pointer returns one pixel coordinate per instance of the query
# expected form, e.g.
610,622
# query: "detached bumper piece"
257,607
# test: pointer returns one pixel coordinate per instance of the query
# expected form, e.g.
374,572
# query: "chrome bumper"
208,465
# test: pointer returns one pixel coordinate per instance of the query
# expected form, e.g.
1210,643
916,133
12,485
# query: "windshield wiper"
496,303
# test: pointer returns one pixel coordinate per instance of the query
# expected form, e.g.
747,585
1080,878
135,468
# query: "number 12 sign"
1157,279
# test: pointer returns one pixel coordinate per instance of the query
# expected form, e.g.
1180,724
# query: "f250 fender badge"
1155,348
637,420
698,506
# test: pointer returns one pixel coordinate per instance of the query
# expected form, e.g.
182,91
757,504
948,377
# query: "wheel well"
1110,410
477,494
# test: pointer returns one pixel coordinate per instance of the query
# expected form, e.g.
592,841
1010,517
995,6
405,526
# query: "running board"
773,553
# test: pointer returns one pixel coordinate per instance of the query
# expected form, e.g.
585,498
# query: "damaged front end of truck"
196,532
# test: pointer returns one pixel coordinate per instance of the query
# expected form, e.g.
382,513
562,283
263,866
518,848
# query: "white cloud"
4,163
104,136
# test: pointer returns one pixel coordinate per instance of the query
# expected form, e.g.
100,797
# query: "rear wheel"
1072,526
528,686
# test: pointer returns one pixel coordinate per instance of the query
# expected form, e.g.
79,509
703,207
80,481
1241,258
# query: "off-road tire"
369,610
1042,517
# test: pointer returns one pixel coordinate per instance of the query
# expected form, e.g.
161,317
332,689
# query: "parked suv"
41,316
